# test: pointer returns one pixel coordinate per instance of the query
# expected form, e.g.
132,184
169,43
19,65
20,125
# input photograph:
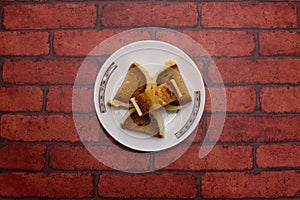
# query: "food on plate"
143,96
151,123
165,76
136,82
153,99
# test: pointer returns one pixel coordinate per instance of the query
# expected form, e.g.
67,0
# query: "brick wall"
256,47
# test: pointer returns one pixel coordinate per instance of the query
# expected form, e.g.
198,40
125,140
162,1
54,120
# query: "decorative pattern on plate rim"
192,117
103,84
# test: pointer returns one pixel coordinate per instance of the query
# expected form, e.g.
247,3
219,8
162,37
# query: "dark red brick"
23,0
215,43
79,158
60,99
279,43
22,156
49,71
52,185
284,99
81,43
49,16
48,128
251,71
249,185
278,155
220,158
249,15
147,185
150,14
259,129
24,43
238,99
21,98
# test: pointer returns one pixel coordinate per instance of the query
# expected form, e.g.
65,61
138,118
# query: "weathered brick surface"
81,43
46,71
79,158
47,128
215,42
220,158
68,99
22,156
251,71
143,14
260,129
278,155
279,43
58,185
238,99
49,16
242,185
249,15
154,185
285,99
24,43
23,0
23,98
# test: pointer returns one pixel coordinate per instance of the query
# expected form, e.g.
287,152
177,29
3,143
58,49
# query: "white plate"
151,55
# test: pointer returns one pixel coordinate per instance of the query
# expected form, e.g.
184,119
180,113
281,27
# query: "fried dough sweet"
165,76
151,123
136,82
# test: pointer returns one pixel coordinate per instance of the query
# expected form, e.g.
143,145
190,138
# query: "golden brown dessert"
135,82
153,99
165,76
151,123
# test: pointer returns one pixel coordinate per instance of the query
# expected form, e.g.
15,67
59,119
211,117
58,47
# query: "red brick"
59,99
216,43
22,156
52,185
147,185
150,14
49,16
249,15
278,155
259,129
48,71
79,158
279,43
220,158
239,99
251,71
81,43
24,43
23,98
242,185
23,0
280,99
48,128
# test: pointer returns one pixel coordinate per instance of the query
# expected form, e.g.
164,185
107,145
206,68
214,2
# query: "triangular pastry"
165,76
151,123
136,81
